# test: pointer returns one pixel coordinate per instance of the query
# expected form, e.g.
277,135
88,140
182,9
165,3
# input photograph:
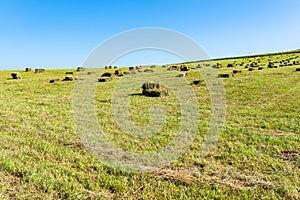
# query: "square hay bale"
104,79
236,71
118,72
227,75
54,80
198,81
39,70
184,68
16,75
80,69
69,78
154,90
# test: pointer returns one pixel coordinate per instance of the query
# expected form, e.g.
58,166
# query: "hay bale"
236,71
69,72
184,68
254,64
181,75
118,72
108,74
231,65
39,70
154,90
250,69
197,82
104,79
80,69
90,73
173,67
297,69
224,75
54,80
260,68
28,69
271,65
198,66
69,78
129,72
16,75
148,70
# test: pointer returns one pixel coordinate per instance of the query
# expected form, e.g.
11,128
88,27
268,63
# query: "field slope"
257,156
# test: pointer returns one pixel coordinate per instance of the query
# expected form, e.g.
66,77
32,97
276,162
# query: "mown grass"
257,156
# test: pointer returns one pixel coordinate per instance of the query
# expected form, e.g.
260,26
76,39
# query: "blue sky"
62,33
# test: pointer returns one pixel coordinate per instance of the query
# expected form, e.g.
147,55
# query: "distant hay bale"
297,69
260,68
104,79
227,75
108,74
54,80
80,69
231,65
184,68
148,70
39,70
118,73
115,67
217,66
154,90
181,75
16,75
250,69
69,78
271,65
198,66
197,82
89,73
129,72
69,72
254,64
173,67
236,71
28,69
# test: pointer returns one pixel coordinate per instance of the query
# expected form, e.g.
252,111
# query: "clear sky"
62,33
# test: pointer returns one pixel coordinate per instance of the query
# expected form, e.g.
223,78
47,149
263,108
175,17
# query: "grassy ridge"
257,155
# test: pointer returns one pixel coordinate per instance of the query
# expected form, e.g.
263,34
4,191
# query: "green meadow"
257,155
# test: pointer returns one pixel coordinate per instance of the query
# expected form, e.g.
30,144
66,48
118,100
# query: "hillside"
257,155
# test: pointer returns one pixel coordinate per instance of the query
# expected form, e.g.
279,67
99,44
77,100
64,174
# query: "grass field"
257,156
